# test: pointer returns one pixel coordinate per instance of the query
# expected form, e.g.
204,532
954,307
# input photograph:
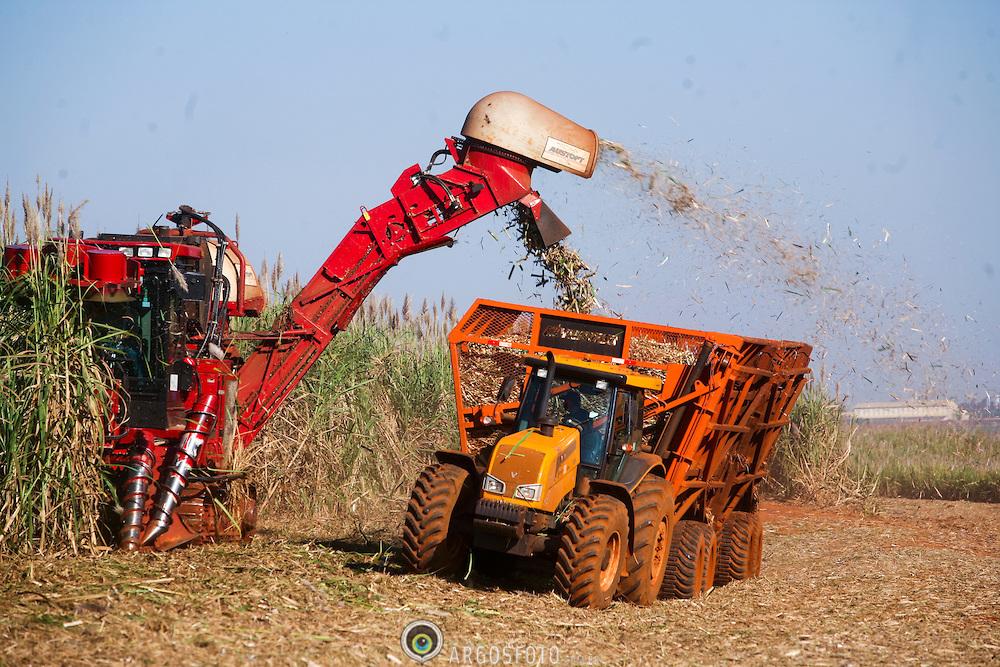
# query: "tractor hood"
534,470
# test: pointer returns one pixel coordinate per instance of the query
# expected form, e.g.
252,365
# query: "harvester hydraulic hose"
220,287
453,203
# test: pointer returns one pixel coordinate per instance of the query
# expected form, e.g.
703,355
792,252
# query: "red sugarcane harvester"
187,398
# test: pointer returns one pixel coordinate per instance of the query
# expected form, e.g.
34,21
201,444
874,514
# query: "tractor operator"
591,449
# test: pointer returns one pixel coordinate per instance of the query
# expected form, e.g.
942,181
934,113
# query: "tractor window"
575,402
636,417
627,427
621,428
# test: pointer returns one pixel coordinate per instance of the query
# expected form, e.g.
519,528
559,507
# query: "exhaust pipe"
546,422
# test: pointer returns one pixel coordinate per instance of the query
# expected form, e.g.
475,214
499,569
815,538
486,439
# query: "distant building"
898,411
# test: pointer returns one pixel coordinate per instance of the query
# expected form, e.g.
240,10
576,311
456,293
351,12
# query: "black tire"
692,561
653,502
591,552
437,530
756,546
736,542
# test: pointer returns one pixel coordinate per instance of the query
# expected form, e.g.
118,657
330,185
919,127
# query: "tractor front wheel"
437,530
592,551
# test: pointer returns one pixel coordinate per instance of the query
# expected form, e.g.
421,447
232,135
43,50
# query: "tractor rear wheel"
653,501
592,551
692,561
736,545
437,530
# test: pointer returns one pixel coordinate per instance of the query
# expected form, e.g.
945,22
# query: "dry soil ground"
919,583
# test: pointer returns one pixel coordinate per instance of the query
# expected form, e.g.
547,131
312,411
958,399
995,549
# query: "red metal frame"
156,462
419,217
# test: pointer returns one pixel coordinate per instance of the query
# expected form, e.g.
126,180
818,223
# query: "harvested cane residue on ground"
917,584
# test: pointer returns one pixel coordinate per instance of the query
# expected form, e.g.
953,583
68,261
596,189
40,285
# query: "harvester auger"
187,398
628,454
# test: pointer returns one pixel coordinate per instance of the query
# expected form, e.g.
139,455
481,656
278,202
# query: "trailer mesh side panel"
656,346
510,326
484,368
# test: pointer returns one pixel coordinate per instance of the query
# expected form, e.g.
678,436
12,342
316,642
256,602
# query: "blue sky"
862,116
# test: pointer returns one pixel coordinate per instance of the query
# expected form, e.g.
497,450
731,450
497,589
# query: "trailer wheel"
592,551
736,548
756,546
654,522
692,561
438,526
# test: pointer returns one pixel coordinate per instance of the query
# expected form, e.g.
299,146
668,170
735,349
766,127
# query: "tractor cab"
576,420
603,405
626,454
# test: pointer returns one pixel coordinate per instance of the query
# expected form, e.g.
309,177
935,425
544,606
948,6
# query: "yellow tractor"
628,453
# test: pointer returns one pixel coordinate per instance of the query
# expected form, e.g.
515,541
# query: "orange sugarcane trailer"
672,426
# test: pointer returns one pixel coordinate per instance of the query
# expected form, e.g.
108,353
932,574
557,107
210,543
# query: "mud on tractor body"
629,454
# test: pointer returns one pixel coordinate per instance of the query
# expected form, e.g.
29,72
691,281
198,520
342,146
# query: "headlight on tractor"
532,492
493,485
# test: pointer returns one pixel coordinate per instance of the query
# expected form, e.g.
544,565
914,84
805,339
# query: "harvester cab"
629,454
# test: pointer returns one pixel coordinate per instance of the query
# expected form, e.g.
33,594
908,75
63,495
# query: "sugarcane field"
676,345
